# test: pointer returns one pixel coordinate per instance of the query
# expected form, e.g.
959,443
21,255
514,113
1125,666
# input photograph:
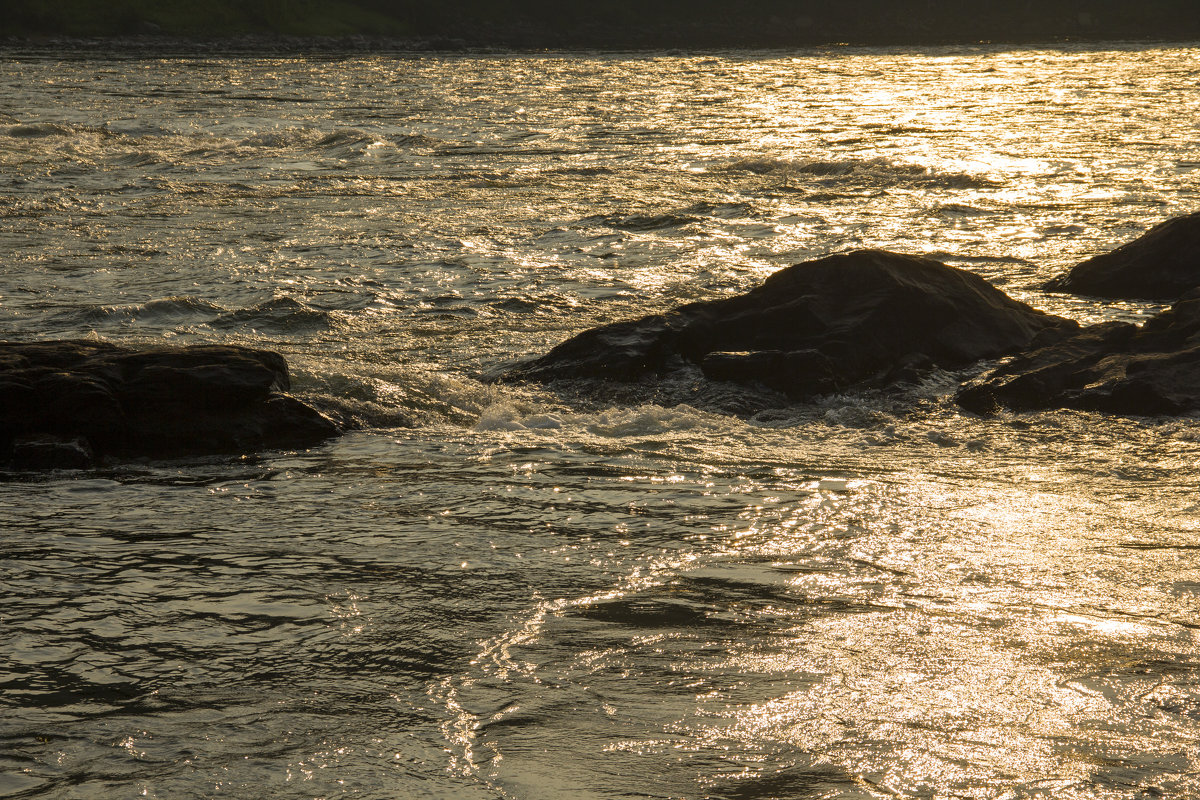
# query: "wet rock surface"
67,403
34,452
1162,265
868,317
1152,369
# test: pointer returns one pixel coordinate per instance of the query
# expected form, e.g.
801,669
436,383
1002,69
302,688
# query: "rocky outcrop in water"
63,403
1164,265
1115,367
868,317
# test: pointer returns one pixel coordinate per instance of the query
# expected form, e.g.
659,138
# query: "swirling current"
489,591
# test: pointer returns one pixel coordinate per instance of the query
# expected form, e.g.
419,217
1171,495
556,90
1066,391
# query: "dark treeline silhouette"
619,23
793,22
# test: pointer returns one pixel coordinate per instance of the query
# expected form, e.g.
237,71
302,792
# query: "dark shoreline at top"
268,45
603,25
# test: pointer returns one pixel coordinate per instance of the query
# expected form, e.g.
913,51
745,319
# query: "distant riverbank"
611,24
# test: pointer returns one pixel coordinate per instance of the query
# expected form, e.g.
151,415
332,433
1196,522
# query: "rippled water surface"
492,591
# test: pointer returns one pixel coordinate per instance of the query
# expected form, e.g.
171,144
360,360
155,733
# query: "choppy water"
499,592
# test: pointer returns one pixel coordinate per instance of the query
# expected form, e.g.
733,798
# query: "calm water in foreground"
501,592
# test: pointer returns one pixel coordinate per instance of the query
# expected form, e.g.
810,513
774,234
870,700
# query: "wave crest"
870,172
36,130
278,315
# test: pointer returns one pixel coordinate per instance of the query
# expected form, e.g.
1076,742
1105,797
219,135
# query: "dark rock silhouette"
1116,367
46,451
867,317
1164,265
63,401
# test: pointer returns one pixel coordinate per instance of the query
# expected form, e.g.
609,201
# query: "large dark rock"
1115,367
864,317
61,401
1164,265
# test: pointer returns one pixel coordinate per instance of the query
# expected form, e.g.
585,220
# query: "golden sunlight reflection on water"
873,595
908,638
965,683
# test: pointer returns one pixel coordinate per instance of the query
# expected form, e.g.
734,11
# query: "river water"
493,591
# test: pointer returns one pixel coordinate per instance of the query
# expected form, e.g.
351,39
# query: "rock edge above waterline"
67,403
857,319
1163,264
1116,367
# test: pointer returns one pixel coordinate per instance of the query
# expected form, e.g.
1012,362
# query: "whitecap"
647,421
505,416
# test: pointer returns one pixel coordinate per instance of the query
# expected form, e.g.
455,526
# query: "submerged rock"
1115,367
51,452
62,401
1164,265
864,317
